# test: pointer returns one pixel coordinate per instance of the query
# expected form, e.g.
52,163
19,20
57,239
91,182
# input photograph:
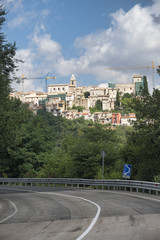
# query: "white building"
30,97
54,89
125,88
128,120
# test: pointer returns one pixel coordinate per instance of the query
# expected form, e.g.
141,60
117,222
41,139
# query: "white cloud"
18,21
22,19
13,5
27,69
45,13
46,47
27,56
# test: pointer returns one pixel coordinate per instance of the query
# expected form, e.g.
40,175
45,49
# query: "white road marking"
14,213
93,221
84,199
98,207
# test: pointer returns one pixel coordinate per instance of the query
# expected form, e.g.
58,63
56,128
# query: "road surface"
50,214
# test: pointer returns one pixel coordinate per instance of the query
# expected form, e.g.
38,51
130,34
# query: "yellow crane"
21,80
147,67
46,78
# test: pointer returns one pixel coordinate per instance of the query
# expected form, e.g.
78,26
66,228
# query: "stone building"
125,88
30,97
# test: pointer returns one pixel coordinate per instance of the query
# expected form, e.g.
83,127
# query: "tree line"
43,145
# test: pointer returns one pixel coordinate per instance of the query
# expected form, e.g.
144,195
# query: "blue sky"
82,37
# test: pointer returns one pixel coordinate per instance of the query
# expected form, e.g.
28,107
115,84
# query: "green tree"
145,91
127,95
98,105
158,70
86,94
85,159
128,104
79,108
7,62
143,144
117,102
12,112
11,120
34,138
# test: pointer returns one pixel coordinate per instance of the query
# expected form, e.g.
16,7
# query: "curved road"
56,214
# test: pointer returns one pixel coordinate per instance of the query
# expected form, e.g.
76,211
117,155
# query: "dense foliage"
143,144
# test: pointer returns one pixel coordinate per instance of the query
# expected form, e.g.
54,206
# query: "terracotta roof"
84,113
128,117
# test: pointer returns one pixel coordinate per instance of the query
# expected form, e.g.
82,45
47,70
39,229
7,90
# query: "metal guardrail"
123,185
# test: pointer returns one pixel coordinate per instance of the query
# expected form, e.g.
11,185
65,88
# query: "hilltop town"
64,100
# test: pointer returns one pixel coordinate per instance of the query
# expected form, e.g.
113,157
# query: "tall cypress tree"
7,61
117,102
7,109
145,91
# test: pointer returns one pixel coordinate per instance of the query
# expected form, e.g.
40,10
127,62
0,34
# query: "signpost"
127,171
103,155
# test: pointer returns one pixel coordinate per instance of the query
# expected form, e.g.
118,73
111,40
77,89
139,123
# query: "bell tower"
73,80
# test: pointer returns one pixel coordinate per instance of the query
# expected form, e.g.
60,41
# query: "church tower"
73,80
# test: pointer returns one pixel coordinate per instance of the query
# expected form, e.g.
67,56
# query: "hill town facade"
60,98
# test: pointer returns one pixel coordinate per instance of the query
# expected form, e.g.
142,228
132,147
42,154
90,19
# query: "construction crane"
21,80
147,67
46,78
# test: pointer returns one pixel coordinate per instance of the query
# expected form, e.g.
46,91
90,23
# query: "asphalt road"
49,214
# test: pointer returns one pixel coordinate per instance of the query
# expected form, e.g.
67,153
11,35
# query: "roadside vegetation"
49,146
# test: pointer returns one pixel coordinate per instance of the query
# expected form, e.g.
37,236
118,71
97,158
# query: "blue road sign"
127,170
